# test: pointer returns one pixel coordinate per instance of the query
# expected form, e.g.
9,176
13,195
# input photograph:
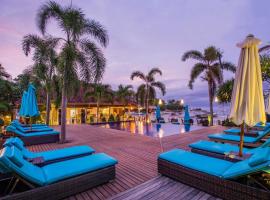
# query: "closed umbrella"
247,106
186,116
23,106
158,115
31,103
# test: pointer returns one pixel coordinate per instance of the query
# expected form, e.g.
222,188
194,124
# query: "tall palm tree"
79,57
45,60
210,67
148,88
100,93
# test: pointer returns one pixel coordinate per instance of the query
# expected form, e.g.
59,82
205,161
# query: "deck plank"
137,156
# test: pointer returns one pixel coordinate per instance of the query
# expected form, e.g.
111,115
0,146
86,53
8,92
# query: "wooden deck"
162,187
137,155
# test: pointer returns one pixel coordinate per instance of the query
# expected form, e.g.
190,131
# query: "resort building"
86,113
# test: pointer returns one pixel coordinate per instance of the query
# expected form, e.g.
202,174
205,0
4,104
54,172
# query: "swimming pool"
152,129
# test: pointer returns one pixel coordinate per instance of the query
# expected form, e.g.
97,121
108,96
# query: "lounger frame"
213,185
66,187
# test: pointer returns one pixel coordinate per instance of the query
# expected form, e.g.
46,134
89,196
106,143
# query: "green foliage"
228,122
111,118
92,119
125,94
265,66
117,118
174,105
103,119
224,92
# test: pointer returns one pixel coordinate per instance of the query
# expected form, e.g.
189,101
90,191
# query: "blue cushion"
243,168
65,152
28,171
75,167
233,137
261,156
13,129
16,157
8,142
212,166
216,147
232,130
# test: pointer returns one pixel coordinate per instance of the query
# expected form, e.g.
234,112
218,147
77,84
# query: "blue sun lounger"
49,156
31,129
27,125
32,138
235,139
56,180
220,150
216,176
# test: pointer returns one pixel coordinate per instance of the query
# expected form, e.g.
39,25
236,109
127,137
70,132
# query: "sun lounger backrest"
13,129
259,161
12,158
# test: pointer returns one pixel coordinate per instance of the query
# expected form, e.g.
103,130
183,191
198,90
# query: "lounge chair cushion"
195,161
70,168
62,153
216,147
16,157
232,130
259,157
28,171
13,129
236,138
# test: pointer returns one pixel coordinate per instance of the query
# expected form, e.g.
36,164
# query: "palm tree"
209,65
100,93
45,59
79,57
3,73
149,86
124,94
224,92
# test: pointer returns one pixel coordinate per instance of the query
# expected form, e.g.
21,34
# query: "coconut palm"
210,68
45,60
148,88
100,93
124,93
224,92
79,57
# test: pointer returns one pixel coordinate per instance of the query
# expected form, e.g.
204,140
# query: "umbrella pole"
241,140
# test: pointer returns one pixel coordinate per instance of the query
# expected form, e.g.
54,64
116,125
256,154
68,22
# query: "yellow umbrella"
247,106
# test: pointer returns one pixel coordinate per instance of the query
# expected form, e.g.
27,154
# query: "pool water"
152,129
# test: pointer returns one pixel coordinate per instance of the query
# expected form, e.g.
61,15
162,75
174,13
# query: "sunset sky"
147,33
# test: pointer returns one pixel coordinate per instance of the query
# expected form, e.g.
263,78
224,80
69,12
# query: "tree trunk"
63,114
97,111
147,104
210,103
48,107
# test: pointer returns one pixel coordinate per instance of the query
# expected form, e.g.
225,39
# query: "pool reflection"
152,129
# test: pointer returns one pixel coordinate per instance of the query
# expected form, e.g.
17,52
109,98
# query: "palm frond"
95,29
96,58
47,11
197,69
264,48
154,71
228,66
193,54
159,85
138,74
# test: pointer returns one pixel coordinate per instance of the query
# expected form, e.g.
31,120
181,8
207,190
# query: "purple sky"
145,34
